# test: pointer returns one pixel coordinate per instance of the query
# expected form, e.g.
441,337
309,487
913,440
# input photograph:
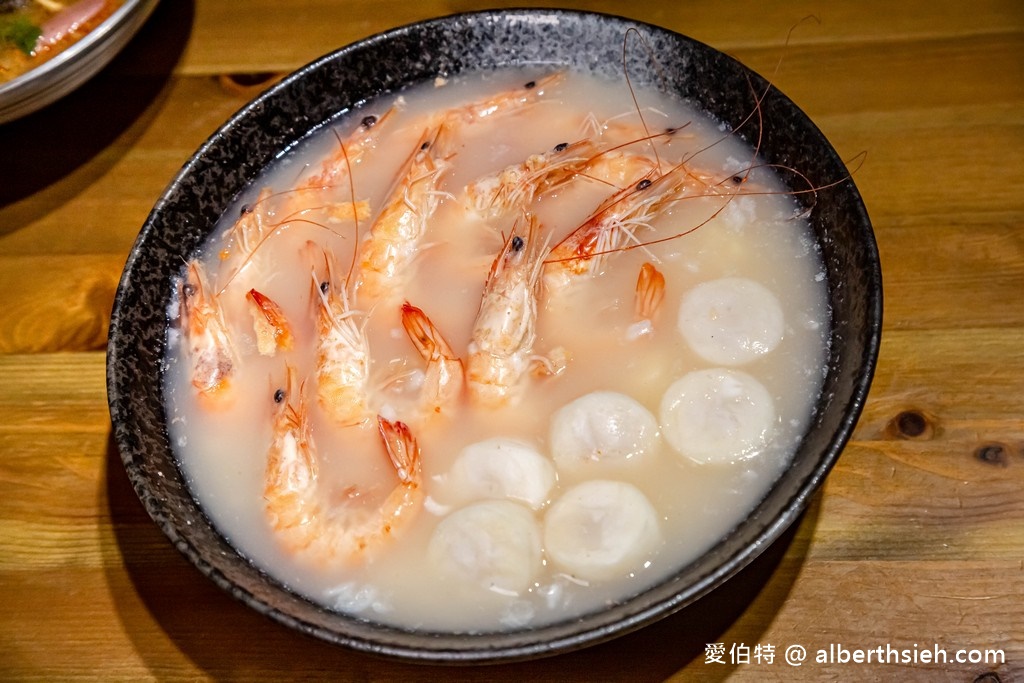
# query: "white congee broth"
458,273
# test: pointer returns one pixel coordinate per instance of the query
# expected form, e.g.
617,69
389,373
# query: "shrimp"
445,375
272,329
249,230
292,470
392,243
504,331
212,354
612,226
619,168
342,350
394,239
315,193
298,508
504,102
607,229
517,185
336,169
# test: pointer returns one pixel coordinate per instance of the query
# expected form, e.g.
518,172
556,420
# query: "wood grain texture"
916,538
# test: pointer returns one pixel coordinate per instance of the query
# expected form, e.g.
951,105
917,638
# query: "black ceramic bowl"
241,149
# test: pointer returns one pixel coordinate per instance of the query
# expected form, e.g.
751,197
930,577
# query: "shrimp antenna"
756,111
295,217
352,199
649,138
632,92
277,228
759,99
811,189
789,38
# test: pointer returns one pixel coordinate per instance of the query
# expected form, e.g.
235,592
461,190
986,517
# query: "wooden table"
916,541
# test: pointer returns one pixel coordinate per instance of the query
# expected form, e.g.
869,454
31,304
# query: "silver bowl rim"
69,69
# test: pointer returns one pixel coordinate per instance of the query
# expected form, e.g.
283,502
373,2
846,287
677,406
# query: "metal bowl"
72,67
234,156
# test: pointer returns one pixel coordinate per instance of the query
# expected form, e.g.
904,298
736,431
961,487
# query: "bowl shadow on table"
117,103
153,585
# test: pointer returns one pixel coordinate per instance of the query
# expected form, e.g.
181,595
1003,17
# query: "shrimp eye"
368,121
517,243
189,289
424,146
561,146
324,286
279,395
530,85
737,179
643,184
246,208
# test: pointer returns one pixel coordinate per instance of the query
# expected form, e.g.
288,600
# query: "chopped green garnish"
20,32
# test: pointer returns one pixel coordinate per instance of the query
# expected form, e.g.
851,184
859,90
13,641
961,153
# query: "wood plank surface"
916,541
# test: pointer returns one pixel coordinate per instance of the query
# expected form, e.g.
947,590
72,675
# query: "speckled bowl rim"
137,339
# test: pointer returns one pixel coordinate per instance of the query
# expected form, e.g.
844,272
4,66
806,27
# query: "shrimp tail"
445,374
650,291
402,449
272,329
